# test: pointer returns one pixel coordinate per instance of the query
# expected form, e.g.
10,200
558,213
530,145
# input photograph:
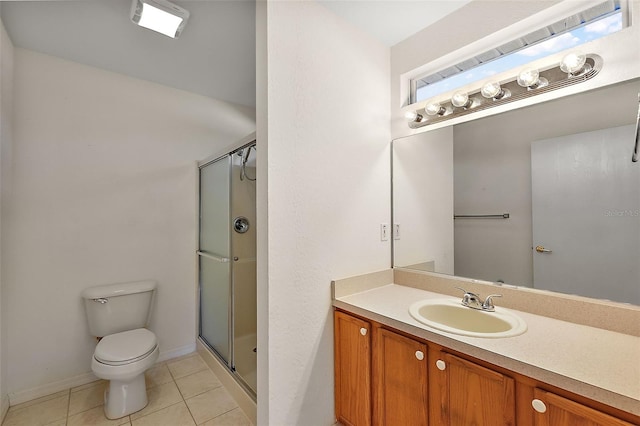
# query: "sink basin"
450,316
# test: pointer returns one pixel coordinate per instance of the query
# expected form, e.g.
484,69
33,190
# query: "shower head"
245,157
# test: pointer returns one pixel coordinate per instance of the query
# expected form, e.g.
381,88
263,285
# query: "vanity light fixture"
413,116
461,100
575,64
493,90
160,16
529,82
530,78
435,108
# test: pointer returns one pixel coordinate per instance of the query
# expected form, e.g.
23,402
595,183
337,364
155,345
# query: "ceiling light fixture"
159,15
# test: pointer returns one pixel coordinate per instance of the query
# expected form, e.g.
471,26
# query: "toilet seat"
126,347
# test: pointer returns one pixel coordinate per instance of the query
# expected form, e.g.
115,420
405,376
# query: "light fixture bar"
555,78
160,16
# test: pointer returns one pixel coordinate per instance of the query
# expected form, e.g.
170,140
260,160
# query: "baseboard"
174,353
49,388
4,407
244,401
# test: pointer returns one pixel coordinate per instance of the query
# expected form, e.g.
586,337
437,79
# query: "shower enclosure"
227,260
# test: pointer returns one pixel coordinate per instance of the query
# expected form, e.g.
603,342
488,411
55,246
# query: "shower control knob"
241,224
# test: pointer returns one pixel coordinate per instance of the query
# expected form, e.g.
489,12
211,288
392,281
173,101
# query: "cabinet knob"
539,406
441,365
420,355
363,331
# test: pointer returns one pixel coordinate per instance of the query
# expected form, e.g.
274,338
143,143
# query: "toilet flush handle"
101,301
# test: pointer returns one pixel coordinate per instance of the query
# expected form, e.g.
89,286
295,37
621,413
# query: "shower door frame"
244,143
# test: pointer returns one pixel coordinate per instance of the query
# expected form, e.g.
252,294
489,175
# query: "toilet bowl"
122,358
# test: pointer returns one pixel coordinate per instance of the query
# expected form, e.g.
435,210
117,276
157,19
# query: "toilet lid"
125,346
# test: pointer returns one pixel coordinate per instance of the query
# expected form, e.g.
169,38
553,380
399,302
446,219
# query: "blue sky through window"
591,31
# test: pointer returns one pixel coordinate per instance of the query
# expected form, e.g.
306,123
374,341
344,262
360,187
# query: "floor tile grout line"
204,391
190,413
66,419
221,414
154,412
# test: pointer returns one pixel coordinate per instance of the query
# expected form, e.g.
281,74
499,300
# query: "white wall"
423,201
324,122
6,110
104,191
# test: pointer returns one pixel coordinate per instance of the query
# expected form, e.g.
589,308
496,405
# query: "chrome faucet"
474,301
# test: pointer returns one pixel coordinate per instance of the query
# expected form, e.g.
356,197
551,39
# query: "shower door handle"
212,257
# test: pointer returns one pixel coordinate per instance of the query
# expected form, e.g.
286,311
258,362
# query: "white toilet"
118,313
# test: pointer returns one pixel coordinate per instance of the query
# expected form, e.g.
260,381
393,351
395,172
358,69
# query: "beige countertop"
596,363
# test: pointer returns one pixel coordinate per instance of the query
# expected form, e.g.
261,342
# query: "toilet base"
122,398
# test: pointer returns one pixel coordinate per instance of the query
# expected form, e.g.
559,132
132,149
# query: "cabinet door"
473,395
400,380
352,370
554,410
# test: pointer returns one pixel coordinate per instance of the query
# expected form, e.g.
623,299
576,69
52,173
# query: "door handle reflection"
541,249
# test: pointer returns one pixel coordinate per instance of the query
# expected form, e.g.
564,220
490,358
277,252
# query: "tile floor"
181,391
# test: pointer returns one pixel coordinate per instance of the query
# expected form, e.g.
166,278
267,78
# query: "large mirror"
544,196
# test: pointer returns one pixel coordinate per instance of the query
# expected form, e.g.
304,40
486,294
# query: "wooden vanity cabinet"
553,410
389,378
352,350
400,380
469,394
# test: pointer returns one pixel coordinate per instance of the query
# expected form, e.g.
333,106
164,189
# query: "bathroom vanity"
581,368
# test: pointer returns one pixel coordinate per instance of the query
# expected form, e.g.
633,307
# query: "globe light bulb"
461,100
434,108
493,90
573,63
412,116
530,78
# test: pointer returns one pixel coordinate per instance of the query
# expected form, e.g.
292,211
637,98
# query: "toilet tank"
113,308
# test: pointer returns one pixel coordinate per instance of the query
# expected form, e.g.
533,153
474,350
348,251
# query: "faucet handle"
471,300
487,305
465,291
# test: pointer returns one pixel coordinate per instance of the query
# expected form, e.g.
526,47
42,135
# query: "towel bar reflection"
634,157
481,216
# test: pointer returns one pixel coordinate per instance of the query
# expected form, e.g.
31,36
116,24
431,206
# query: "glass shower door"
227,262
214,256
